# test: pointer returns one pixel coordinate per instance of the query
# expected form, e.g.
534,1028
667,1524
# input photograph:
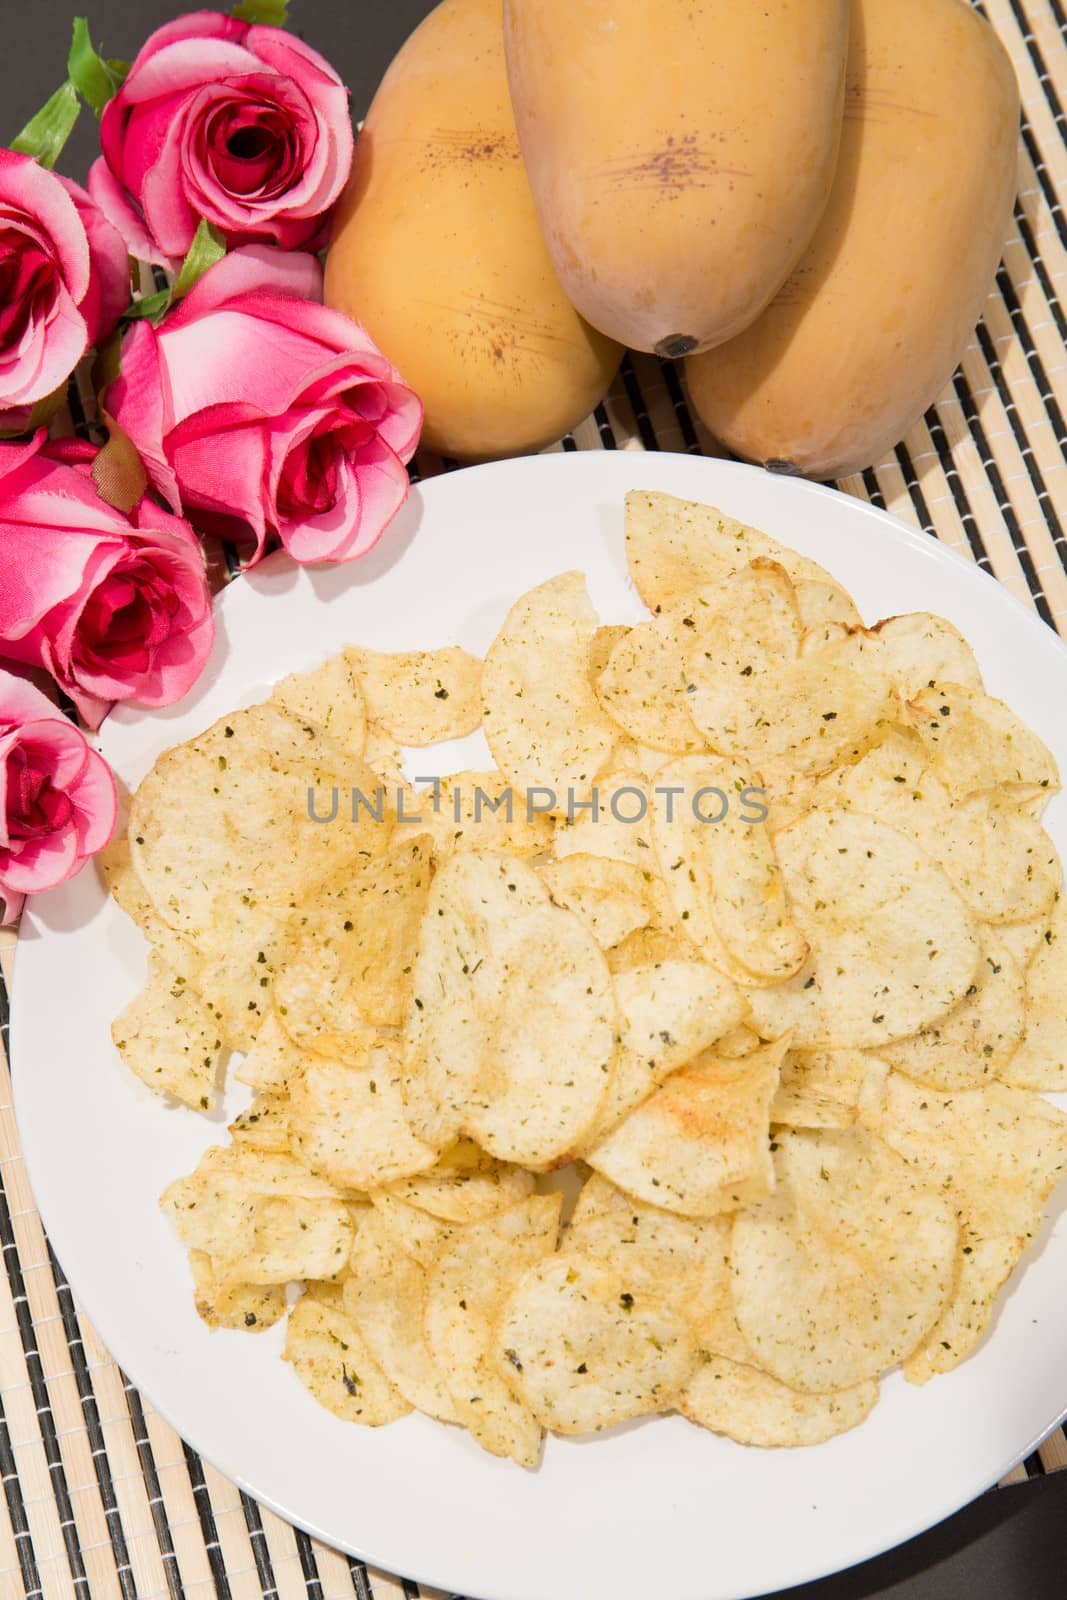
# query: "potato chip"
385,758
739,1041
1041,1059
115,863
977,1040
287,1237
721,872
604,641
646,948
676,546
352,967
264,1125
893,945
385,1297
613,898
330,1358
584,1350
416,1233
465,1287
210,1208
419,697
821,603
923,650
644,687
976,743
621,827
272,1060
1023,940
169,1039
996,1154
247,1307
481,811
543,722
683,1262
819,1088
465,1185
754,1408
699,1145
346,1120
330,699
668,1014
843,1270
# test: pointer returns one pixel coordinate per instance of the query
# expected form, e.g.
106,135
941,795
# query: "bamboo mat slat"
101,1500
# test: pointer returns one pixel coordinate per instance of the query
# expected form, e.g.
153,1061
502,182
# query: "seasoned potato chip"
923,650
683,1262
644,687
584,1350
419,697
976,742
844,1269
996,1153
819,1088
739,1041
676,546
721,872
168,1037
115,863
646,948
385,1297
210,1208
416,1233
604,641
248,1307
821,603
272,1060
346,1120
330,699
481,811
264,1125
330,1358
286,1237
465,1286
668,1013
543,722
700,1144
893,945
1041,1059
1023,940
752,1407
975,1041
614,898
352,968
465,1185
621,828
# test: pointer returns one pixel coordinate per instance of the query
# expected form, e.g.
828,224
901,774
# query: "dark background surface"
1010,1545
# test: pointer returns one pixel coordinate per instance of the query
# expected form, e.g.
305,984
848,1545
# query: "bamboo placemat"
100,1498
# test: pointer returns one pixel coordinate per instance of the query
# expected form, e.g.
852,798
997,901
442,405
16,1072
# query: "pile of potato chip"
788,1061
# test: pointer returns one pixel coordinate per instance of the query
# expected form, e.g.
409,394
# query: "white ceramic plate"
657,1507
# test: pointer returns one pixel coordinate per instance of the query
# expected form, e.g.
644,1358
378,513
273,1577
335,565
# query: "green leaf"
153,306
208,246
44,135
272,12
94,78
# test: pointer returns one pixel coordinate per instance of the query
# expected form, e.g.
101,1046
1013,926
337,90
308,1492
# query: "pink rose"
115,608
59,796
64,280
267,413
218,119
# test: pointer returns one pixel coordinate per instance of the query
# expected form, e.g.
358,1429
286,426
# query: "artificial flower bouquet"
234,403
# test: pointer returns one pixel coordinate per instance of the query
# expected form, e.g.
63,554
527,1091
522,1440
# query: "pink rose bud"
267,414
59,796
114,607
64,281
241,125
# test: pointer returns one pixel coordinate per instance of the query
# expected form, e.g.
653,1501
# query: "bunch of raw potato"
792,1064
806,199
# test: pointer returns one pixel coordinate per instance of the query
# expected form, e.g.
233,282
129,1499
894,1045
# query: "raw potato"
347,1120
722,873
675,547
976,742
330,1358
542,719
584,1350
701,1144
977,1040
1041,1060
668,1012
893,946
842,1271
466,1285
168,1037
419,697
385,1297
754,1408
465,1185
